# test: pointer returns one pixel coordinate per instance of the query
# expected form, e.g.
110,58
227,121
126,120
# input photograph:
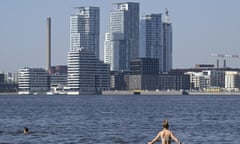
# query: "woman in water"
165,135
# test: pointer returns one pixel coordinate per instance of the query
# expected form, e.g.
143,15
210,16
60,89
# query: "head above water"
165,124
25,130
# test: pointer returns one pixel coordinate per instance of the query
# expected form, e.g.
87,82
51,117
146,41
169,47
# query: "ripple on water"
120,120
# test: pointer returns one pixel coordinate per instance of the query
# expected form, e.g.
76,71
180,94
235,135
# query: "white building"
85,29
86,74
108,55
200,80
124,36
32,80
232,80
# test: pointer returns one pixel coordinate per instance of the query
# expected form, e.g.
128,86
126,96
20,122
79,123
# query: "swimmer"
25,130
165,135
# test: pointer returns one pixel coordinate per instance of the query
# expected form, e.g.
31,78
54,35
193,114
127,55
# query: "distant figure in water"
25,130
165,135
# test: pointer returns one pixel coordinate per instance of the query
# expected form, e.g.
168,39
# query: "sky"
200,28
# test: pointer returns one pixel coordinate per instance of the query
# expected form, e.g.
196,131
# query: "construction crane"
224,56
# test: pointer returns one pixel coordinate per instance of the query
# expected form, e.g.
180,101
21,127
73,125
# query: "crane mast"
224,56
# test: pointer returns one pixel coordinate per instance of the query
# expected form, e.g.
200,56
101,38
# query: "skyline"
199,29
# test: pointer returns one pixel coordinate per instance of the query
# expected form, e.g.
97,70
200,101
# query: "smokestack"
48,65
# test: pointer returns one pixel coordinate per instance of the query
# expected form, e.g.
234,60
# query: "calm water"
118,119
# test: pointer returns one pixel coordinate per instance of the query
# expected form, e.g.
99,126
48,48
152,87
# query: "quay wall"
142,93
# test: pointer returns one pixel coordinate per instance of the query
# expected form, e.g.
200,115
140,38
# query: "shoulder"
160,133
171,133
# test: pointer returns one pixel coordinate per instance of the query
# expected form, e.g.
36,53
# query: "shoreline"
171,93
214,93
8,93
148,93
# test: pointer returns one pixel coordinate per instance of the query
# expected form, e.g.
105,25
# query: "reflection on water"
118,119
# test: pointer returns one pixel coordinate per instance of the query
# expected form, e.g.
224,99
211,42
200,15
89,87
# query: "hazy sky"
200,27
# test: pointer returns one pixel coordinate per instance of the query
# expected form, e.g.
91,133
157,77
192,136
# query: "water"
118,119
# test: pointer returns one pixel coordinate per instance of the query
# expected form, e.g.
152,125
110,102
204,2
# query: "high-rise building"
85,29
151,39
86,74
122,42
167,47
167,43
156,40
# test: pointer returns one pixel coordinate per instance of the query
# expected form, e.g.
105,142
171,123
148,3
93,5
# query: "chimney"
48,64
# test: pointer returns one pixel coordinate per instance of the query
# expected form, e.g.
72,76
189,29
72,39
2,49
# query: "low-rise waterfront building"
200,80
159,82
218,78
119,80
57,83
8,87
57,79
144,74
169,81
32,80
1,78
143,82
8,83
232,80
144,66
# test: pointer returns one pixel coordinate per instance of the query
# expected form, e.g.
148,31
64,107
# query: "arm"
155,139
175,138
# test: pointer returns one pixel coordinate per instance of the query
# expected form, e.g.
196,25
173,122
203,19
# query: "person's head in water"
165,124
25,130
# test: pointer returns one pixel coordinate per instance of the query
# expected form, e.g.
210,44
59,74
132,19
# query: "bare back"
165,136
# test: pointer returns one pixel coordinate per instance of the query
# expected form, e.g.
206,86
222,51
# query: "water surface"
118,119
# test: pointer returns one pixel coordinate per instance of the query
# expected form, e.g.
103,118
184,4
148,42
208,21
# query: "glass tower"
122,43
167,47
84,29
156,40
151,37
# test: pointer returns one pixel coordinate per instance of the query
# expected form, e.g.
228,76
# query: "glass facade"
151,37
156,40
86,74
167,47
85,29
123,36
